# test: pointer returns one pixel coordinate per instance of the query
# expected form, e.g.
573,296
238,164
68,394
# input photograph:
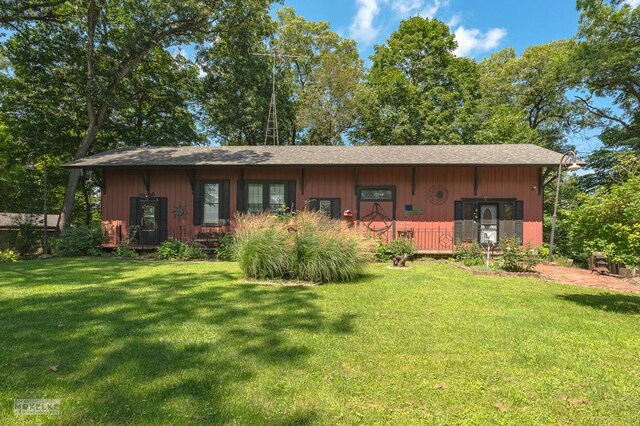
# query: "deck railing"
437,239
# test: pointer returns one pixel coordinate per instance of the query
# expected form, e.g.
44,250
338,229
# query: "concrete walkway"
585,278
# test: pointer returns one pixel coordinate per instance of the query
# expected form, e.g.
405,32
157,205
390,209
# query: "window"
328,206
508,211
276,196
211,211
255,198
268,196
148,216
376,194
211,201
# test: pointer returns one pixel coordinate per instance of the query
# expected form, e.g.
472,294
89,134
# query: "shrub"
174,249
263,246
225,251
608,221
470,252
123,250
28,237
396,248
171,249
81,240
8,256
193,251
516,258
318,250
472,262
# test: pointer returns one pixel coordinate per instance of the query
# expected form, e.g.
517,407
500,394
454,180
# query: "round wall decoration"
438,194
179,212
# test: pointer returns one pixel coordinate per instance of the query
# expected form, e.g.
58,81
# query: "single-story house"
10,222
440,195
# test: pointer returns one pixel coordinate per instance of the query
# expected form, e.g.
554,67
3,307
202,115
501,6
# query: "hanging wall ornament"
438,194
179,212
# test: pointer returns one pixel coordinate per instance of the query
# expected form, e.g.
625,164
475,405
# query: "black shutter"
336,211
197,203
519,216
314,204
133,211
163,227
469,226
457,217
225,201
240,197
291,195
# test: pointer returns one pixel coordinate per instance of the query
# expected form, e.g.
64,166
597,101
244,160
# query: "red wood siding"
493,183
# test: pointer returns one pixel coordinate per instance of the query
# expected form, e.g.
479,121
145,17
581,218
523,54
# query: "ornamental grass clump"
307,246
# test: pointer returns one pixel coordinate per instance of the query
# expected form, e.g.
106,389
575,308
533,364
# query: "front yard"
184,343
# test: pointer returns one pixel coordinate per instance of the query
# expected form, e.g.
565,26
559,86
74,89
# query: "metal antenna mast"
272,119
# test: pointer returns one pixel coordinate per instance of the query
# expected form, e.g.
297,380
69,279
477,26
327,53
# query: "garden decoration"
599,264
400,261
438,194
376,214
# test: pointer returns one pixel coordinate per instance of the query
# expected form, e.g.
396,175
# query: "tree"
116,39
237,84
609,69
524,99
317,74
417,91
609,219
325,70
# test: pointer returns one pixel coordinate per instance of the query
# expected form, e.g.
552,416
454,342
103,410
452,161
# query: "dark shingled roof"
248,156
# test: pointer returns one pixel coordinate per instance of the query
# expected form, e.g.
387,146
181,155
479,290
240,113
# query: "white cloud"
405,7
455,20
632,3
431,10
473,40
362,28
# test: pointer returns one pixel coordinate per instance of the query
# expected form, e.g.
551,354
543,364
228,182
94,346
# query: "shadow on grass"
621,303
138,346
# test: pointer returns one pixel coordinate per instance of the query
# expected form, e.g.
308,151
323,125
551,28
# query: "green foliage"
8,256
320,250
123,250
226,250
524,99
193,251
517,258
174,249
608,221
28,237
468,251
82,240
396,248
417,91
171,249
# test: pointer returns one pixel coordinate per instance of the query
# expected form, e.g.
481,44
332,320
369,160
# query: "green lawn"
186,343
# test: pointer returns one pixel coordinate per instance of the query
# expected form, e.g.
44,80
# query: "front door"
148,219
488,224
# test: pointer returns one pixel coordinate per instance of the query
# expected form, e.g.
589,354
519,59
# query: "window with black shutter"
211,203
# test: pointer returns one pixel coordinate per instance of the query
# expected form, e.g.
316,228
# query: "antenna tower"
272,119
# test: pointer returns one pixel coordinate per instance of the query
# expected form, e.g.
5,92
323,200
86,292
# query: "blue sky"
480,26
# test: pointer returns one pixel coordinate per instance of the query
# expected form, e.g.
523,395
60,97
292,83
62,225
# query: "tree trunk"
64,221
86,194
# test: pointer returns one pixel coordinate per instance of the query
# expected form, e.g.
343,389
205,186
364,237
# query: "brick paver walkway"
585,278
